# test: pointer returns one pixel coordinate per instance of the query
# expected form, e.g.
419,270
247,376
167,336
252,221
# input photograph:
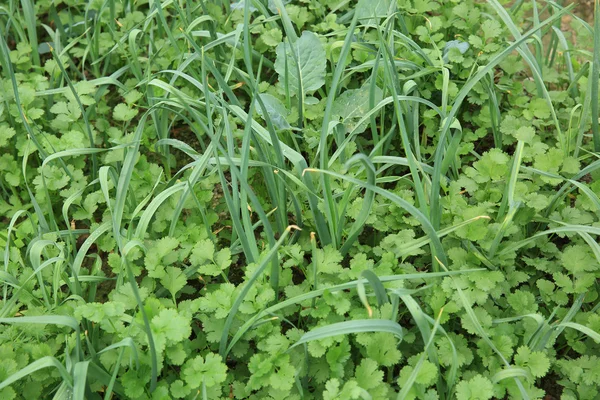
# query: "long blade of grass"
508,200
350,285
223,350
460,97
365,210
100,375
377,286
116,219
511,373
44,362
595,76
581,328
413,375
482,333
349,327
330,209
80,371
6,258
60,320
412,210
567,228
89,241
30,18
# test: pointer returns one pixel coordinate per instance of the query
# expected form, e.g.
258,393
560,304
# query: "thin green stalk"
223,348
450,118
330,207
595,76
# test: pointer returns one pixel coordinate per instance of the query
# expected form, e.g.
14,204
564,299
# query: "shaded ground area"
584,9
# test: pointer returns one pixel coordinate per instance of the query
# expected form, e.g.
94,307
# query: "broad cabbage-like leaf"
370,11
352,105
306,62
275,109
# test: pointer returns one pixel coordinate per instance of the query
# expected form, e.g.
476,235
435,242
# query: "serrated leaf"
59,108
491,28
173,325
272,37
203,251
223,258
174,280
536,361
35,113
477,388
123,113
209,371
6,132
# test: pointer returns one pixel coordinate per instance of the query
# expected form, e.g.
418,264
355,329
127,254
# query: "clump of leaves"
298,199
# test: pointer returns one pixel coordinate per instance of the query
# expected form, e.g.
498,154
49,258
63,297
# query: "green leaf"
426,375
218,302
282,377
536,361
174,280
328,260
275,110
306,62
476,388
209,370
523,302
578,258
173,325
133,384
59,107
352,105
272,37
123,112
6,132
525,134
349,391
179,389
223,259
203,251
356,326
132,96
368,375
491,28
160,254
371,11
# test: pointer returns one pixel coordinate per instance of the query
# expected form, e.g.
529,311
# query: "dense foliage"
313,199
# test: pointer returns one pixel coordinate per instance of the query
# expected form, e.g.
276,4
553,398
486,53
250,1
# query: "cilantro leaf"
6,132
123,112
491,28
203,251
174,280
536,361
328,260
477,388
172,325
368,375
210,369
